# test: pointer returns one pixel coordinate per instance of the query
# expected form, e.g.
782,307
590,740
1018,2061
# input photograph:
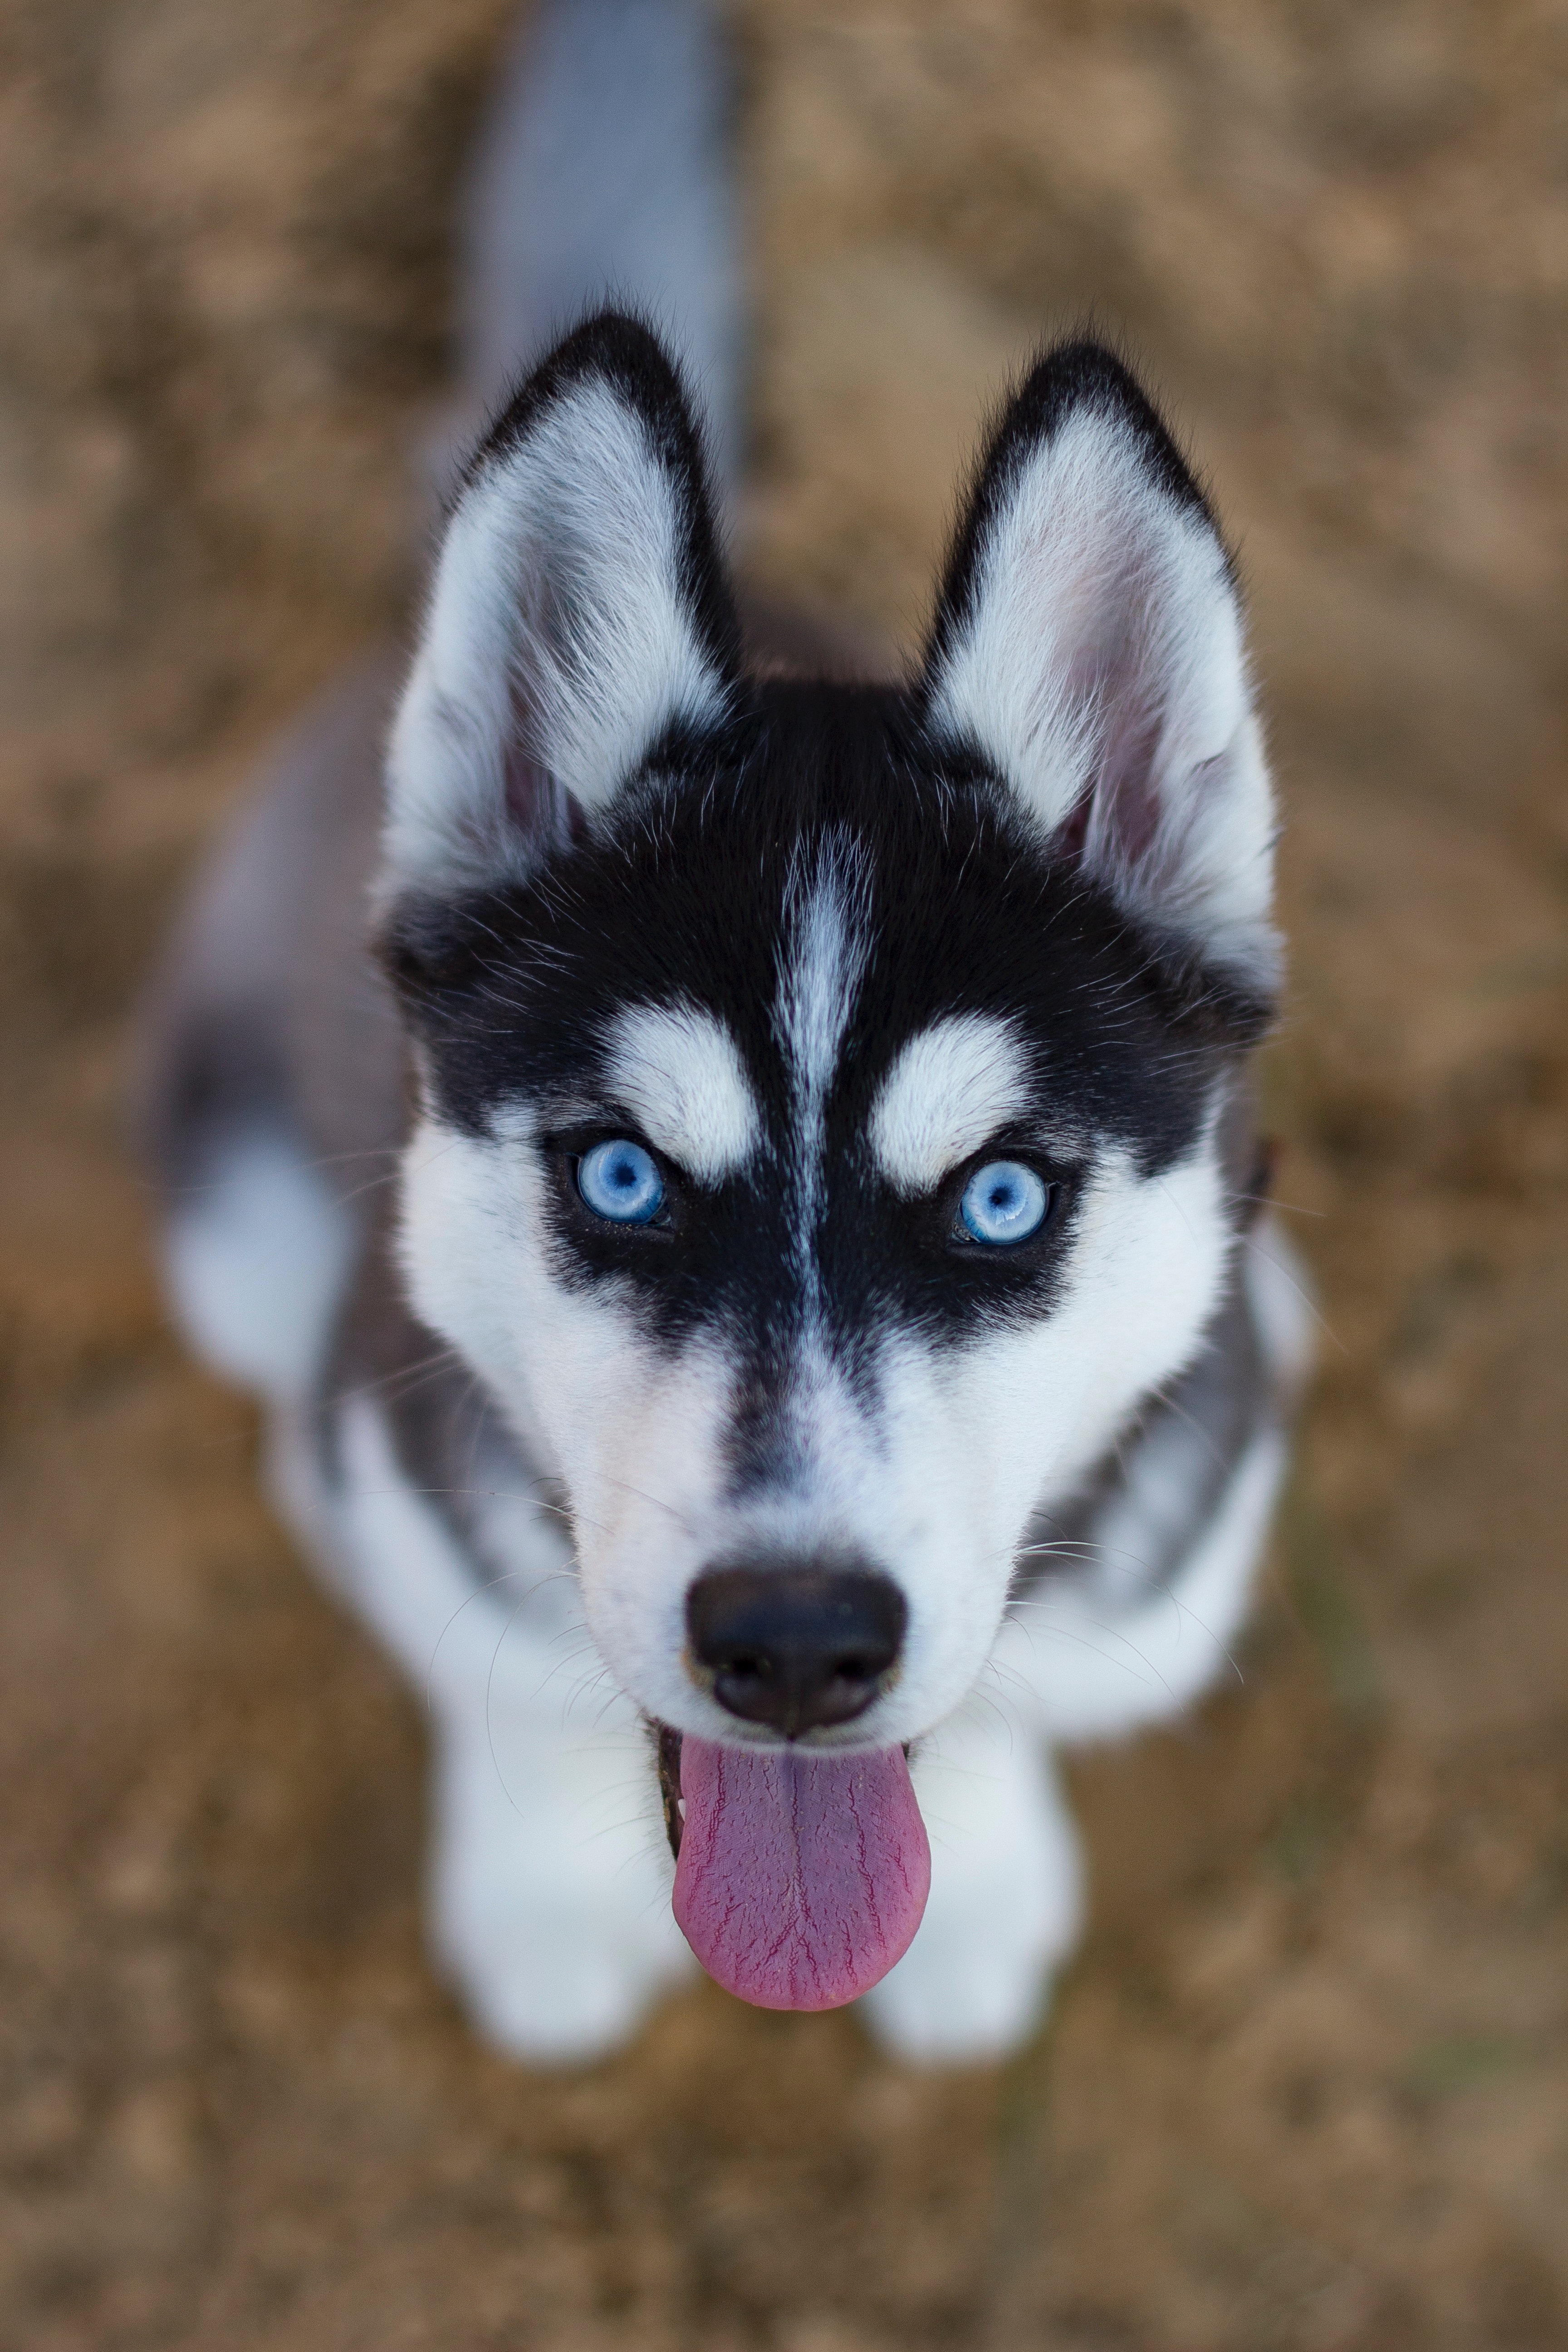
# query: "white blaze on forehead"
826,957
678,1071
950,1087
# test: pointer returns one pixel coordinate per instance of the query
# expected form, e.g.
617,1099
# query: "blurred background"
1308,2084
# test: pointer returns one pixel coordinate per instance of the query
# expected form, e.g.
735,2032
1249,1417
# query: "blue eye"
1004,1202
618,1180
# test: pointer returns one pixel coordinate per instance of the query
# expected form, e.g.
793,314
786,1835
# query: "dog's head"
821,1090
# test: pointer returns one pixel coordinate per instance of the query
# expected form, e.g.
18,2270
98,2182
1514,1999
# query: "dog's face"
821,1146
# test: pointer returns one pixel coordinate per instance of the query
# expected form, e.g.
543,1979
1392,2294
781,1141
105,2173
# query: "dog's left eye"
618,1180
1004,1202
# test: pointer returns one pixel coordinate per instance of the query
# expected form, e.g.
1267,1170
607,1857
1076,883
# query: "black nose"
796,1647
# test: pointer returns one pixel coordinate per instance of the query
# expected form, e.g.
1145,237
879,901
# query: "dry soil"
1307,2085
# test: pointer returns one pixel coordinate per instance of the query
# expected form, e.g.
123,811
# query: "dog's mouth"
669,1796
801,1874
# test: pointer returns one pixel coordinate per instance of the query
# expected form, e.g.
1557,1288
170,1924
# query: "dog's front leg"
1005,1894
549,1874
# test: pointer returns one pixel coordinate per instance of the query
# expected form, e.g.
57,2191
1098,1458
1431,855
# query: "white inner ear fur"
556,629
950,1087
678,1071
1104,651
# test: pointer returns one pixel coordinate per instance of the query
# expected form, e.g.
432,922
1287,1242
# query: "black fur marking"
686,899
668,1746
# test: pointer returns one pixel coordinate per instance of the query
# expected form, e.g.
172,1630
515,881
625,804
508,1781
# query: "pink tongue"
800,1877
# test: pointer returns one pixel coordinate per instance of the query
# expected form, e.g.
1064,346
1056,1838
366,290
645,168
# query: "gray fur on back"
269,1011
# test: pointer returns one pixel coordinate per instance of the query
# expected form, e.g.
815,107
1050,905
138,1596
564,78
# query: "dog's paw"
550,1922
1004,1909
551,1980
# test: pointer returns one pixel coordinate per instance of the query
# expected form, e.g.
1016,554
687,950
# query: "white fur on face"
678,1071
1103,656
934,1474
950,1087
826,959
556,627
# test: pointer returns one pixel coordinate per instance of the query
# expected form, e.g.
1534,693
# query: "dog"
758,1280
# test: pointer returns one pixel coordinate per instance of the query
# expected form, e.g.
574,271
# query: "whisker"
1250,1241
1082,1642
1272,1201
508,1577
656,1500
489,1721
389,1387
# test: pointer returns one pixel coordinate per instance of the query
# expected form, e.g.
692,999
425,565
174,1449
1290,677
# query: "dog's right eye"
619,1181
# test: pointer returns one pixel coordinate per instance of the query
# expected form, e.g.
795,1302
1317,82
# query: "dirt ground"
1307,2085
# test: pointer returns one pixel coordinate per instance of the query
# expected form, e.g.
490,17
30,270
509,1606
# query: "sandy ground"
1307,2085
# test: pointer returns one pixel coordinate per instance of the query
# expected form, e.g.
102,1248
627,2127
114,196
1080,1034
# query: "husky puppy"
757,1284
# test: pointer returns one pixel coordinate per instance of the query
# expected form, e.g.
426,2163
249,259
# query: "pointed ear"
579,613
1089,649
